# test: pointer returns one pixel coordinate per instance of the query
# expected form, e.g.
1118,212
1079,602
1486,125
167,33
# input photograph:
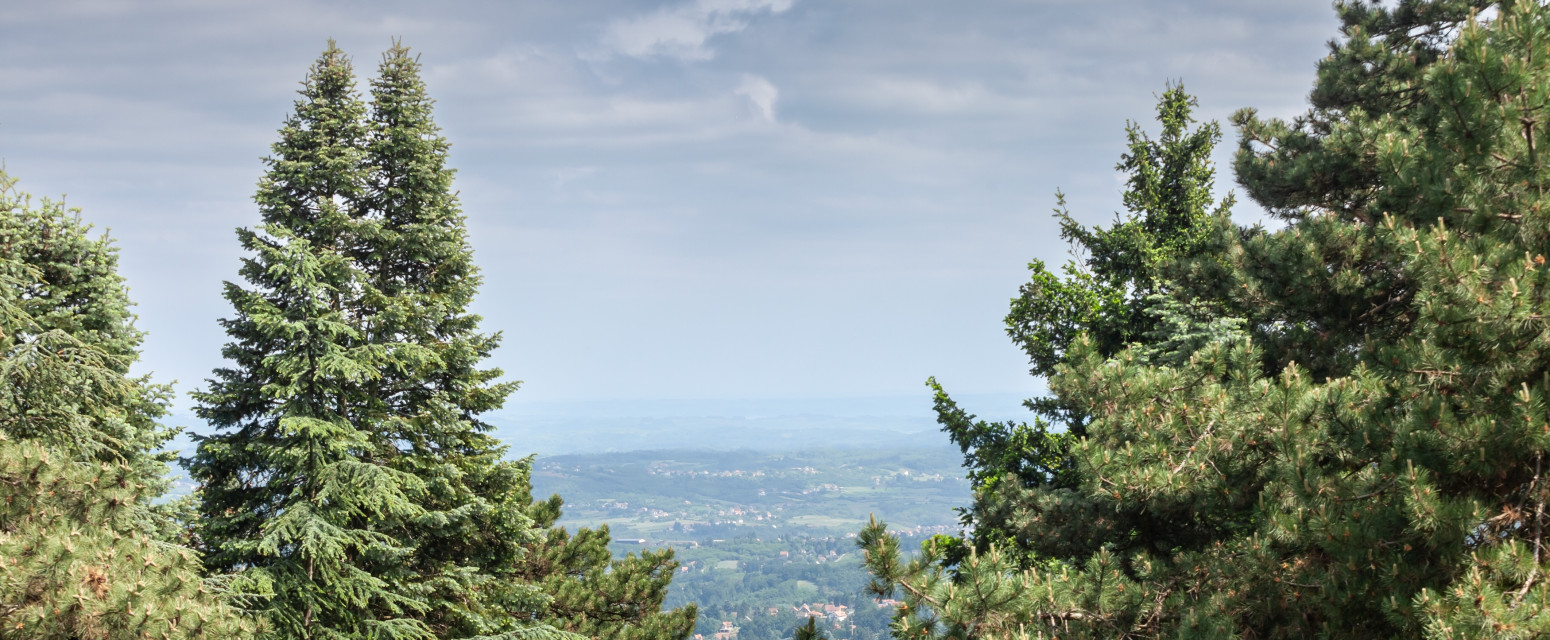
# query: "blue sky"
692,199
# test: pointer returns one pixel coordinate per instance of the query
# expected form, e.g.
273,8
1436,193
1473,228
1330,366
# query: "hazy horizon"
701,199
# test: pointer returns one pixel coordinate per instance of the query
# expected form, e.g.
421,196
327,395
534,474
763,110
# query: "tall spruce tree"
1365,459
470,534
479,555
1031,508
80,451
357,346
293,484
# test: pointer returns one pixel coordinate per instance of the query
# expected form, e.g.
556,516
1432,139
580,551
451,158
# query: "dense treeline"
1332,427
349,489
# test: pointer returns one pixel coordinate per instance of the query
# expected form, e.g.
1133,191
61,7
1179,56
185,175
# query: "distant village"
833,615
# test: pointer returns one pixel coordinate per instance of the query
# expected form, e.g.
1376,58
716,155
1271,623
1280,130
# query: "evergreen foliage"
1360,450
489,555
292,486
418,280
353,471
809,631
1107,295
77,564
66,294
1116,297
596,595
80,451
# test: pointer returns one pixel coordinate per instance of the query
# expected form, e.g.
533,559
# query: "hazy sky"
670,200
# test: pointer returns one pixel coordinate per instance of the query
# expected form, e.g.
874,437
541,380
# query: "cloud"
543,97
761,93
622,155
682,31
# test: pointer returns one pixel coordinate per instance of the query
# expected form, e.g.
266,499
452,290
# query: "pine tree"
292,484
80,452
1363,459
1114,297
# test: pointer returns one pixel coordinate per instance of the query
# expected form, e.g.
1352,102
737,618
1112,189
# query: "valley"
764,539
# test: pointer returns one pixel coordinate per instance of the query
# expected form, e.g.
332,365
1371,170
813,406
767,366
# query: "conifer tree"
596,595
80,452
1115,297
352,415
470,532
809,631
292,484
77,562
67,285
1030,507
1363,459
486,555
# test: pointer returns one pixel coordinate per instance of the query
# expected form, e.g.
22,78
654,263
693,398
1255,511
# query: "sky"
672,202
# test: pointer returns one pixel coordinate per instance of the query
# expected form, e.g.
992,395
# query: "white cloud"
761,93
682,31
